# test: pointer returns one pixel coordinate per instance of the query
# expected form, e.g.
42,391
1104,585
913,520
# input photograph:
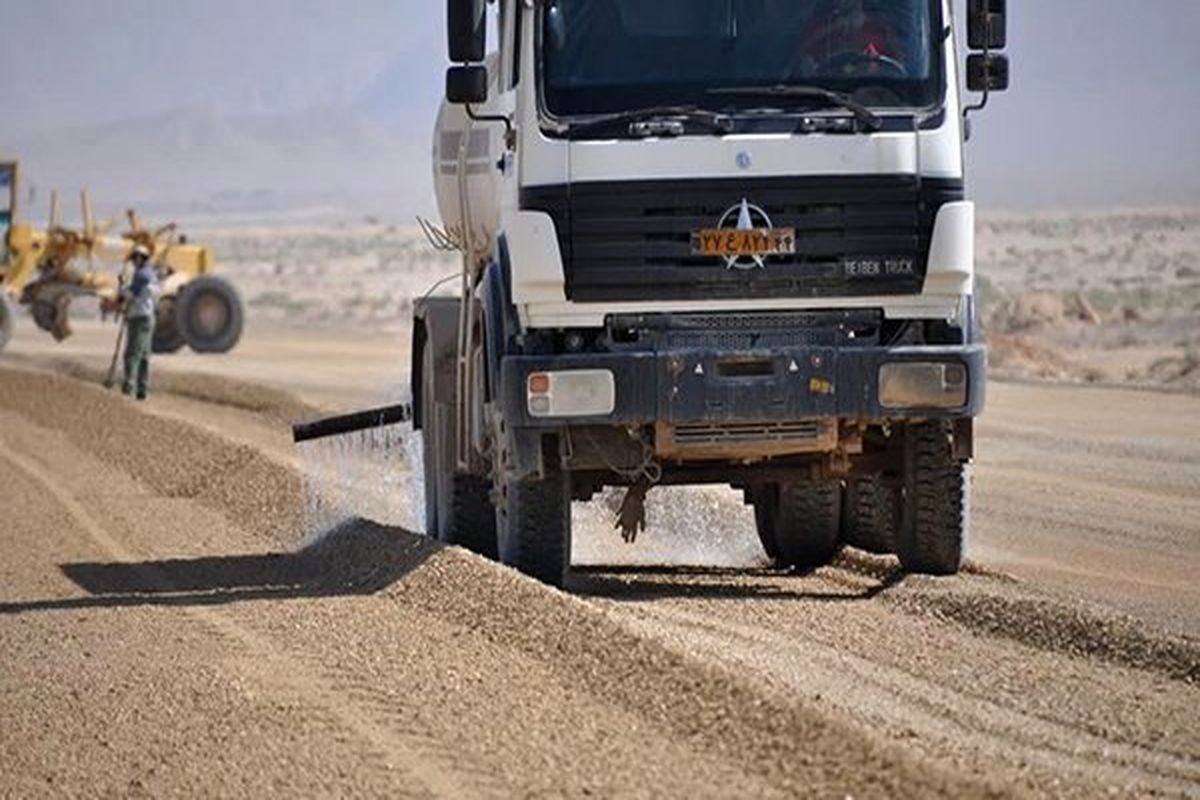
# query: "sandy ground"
1109,297
164,633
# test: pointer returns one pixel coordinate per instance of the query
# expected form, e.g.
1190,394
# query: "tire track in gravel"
940,721
844,681
1054,626
277,671
688,723
136,698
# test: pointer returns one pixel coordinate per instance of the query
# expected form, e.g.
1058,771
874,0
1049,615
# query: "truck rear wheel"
802,521
458,508
7,319
931,538
869,515
210,315
533,526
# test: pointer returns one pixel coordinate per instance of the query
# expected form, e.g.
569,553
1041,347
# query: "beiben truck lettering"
707,242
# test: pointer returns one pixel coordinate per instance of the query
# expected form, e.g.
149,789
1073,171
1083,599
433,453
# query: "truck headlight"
920,384
571,393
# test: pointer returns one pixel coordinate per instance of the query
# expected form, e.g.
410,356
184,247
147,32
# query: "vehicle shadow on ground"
847,580
357,558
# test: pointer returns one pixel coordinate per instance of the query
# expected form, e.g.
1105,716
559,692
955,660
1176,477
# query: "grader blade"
51,306
45,268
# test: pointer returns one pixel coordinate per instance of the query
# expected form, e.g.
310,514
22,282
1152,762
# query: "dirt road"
162,635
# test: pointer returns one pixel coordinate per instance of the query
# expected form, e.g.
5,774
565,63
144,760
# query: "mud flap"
435,321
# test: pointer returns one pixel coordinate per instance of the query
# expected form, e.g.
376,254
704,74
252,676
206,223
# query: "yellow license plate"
734,243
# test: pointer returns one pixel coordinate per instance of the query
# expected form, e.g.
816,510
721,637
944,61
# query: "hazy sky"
1104,106
1104,109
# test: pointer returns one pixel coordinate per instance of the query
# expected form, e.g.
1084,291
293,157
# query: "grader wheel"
209,315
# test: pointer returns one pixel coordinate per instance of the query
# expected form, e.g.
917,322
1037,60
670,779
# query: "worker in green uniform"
141,306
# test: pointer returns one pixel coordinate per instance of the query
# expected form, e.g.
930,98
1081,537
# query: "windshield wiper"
867,118
659,120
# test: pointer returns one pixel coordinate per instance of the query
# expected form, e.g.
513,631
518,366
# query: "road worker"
141,305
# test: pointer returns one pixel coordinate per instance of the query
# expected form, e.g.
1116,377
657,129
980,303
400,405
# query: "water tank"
484,149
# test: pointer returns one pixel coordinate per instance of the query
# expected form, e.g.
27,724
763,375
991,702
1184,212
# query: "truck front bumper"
711,386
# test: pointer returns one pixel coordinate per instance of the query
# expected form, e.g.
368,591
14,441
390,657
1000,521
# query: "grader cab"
46,269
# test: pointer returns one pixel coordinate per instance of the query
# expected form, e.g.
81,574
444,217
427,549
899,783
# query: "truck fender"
501,325
435,323
951,267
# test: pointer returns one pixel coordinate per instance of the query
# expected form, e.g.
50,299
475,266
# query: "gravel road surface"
163,633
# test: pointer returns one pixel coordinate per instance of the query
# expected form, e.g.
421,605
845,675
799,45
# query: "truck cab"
707,241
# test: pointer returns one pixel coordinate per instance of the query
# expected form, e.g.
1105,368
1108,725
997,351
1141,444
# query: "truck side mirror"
987,24
466,30
987,73
468,84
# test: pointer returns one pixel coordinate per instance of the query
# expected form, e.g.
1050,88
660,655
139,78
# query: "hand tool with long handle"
110,379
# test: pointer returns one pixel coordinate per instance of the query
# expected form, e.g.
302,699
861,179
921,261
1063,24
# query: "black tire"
7,320
458,508
804,518
931,539
210,315
472,515
869,515
167,336
764,520
533,526
435,447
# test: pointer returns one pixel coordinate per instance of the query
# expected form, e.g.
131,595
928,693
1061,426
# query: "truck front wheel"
764,520
533,525
800,521
932,534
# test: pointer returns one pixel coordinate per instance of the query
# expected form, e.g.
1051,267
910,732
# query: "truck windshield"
603,56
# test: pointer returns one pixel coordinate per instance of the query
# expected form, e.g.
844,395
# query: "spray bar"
350,423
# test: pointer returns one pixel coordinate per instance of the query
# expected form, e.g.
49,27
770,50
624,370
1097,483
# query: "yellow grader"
46,269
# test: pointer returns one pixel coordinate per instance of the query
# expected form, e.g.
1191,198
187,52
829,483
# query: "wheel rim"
210,315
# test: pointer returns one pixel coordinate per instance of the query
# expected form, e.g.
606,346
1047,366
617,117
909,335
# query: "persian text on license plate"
730,242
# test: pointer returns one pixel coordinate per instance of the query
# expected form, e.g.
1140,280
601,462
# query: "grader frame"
46,269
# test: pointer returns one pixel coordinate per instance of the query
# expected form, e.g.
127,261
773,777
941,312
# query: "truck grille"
631,240
737,433
752,330
746,439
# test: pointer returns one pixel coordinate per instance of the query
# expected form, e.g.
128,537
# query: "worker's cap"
140,251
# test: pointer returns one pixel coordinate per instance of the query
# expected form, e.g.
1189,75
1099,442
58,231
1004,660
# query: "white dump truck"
707,242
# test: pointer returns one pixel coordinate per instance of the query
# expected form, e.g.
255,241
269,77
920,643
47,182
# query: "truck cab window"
608,55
